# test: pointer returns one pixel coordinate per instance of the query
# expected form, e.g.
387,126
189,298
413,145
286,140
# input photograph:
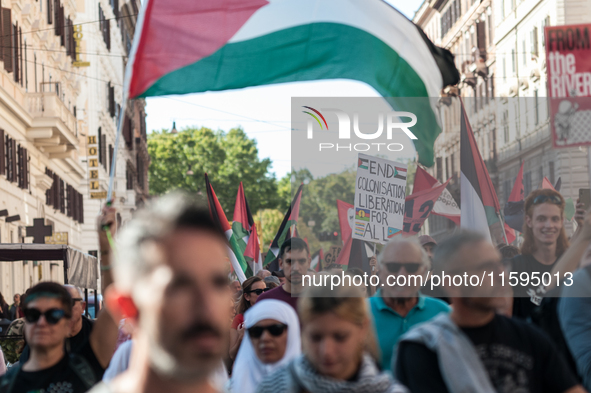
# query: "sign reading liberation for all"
380,192
568,54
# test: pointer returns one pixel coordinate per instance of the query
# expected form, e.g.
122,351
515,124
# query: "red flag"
343,210
418,207
546,184
517,193
445,206
253,250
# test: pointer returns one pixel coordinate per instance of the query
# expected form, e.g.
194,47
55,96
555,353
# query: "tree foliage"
227,158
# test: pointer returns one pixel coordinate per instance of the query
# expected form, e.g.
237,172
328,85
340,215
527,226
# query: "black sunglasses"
275,330
394,267
555,199
52,316
258,291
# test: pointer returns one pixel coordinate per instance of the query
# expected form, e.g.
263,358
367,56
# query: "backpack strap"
7,381
82,369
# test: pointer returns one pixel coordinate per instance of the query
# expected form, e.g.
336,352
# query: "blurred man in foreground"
473,349
171,282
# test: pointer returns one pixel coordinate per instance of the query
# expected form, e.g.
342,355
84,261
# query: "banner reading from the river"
568,57
380,191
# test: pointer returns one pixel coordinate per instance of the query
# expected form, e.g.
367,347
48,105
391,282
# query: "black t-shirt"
527,297
56,379
518,357
78,344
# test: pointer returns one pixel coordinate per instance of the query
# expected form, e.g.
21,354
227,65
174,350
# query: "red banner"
418,207
568,59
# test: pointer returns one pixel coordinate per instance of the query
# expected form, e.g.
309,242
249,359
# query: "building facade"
525,128
40,138
108,29
466,28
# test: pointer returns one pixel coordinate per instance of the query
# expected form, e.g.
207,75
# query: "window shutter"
62,27
56,16
55,192
111,100
19,166
103,152
48,200
14,46
69,210
62,197
26,168
108,33
7,39
100,142
20,51
127,131
110,157
49,12
14,162
80,209
2,153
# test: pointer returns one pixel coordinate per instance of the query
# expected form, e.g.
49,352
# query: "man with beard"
294,261
473,349
171,284
398,305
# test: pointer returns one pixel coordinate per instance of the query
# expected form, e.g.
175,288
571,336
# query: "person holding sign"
397,307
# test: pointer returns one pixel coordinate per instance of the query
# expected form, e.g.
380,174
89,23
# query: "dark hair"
295,243
529,245
278,273
244,304
49,290
446,251
354,271
508,251
334,266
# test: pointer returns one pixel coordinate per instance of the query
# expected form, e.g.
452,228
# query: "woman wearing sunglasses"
251,289
339,348
272,340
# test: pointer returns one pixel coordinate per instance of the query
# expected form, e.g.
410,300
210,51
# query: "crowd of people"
172,321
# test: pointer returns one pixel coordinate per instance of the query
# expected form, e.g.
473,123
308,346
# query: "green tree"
268,222
227,158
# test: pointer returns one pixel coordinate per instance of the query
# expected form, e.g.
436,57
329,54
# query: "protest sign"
568,53
380,191
418,207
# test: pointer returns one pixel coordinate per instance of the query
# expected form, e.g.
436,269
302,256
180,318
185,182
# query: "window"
524,52
105,27
527,183
439,168
545,22
534,41
489,22
536,108
506,126
504,69
541,173
513,65
551,171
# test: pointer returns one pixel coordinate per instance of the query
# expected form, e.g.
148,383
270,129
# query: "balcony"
53,126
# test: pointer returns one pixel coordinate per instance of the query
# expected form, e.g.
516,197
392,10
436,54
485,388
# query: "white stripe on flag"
236,266
473,213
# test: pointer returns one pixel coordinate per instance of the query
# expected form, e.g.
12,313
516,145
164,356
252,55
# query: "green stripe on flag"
313,52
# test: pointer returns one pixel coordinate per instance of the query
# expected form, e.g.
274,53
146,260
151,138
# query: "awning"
82,268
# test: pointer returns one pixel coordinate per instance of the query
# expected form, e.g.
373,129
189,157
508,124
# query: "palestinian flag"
353,252
400,173
514,208
317,259
252,254
362,163
546,184
242,224
480,206
193,46
291,218
218,216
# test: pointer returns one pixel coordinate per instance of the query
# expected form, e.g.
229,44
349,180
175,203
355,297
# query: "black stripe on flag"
467,161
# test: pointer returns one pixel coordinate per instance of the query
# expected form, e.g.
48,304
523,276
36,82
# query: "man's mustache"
200,328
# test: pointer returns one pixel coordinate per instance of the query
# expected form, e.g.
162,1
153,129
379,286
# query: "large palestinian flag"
195,46
480,205
242,226
219,217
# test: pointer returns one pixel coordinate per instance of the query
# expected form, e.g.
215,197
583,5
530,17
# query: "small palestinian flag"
362,163
362,214
392,232
400,173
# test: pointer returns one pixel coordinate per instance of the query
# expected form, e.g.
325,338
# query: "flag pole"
503,226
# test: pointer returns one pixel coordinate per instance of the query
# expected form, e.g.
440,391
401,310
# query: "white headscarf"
248,370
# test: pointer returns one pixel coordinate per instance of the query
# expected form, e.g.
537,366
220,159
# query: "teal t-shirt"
389,326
